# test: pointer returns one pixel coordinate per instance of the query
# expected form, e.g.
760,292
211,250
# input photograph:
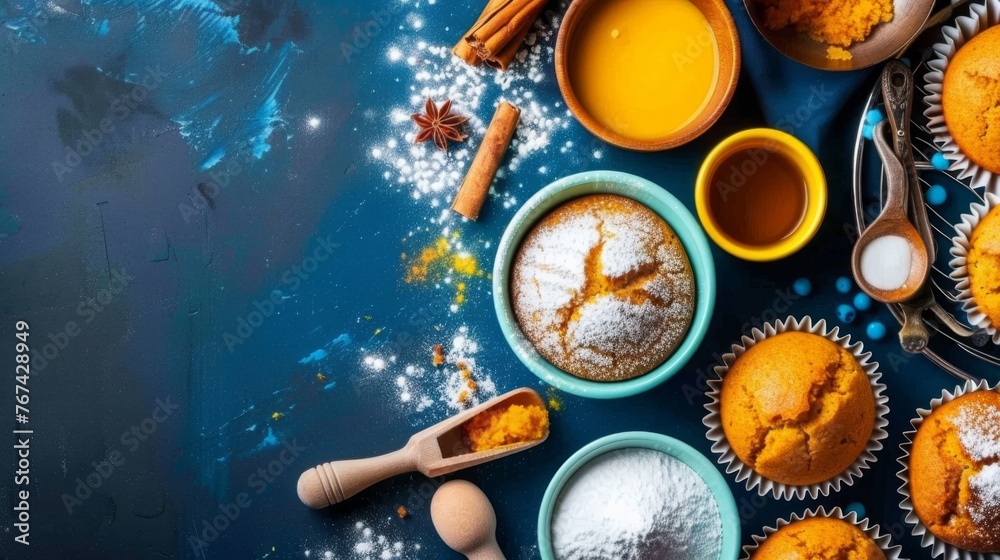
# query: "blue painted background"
281,105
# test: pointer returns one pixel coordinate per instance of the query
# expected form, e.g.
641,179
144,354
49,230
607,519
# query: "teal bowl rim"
657,199
731,524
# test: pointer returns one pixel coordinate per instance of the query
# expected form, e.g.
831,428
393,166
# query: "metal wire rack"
958,356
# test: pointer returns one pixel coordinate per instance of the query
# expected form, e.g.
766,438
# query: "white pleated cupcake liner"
873,531
983,15
937,546
961,244
744,472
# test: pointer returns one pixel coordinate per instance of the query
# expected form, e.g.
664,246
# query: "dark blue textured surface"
242,82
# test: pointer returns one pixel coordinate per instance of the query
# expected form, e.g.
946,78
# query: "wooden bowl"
724,29
885,41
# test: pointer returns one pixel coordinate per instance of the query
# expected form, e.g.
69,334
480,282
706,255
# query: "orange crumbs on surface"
499,427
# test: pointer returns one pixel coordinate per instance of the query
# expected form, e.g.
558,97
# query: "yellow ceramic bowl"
799,155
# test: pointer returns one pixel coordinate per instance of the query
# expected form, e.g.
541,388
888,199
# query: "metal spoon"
892,222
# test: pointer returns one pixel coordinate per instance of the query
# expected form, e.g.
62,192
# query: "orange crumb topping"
438,355
402,512
498,427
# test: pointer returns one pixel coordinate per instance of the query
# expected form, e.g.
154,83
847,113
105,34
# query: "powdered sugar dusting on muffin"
603,289
979,431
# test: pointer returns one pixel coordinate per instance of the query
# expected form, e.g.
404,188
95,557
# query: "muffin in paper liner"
961,244
927,539
884,542
983,15
728,457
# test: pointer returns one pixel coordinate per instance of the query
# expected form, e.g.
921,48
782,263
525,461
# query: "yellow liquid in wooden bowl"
644,68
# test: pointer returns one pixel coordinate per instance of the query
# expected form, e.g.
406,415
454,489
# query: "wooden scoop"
465,520
436,451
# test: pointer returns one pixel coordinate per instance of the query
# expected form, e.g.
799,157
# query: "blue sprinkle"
868,131
876,330
936,195
862,302
844,285
907,62
802,287
875,116
846,313
855,507
940,162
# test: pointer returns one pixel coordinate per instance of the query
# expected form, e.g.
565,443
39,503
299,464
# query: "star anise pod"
440,124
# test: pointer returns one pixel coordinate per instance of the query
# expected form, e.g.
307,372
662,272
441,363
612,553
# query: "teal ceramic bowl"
658,200
664,444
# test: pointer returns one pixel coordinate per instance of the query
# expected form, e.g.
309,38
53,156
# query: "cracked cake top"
603,289
797,408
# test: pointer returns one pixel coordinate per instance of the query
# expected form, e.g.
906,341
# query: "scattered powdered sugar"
978,428
985,486
639,504
370,544
434,176
979,431
419,386
601,291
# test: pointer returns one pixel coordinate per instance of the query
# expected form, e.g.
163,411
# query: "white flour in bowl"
636,504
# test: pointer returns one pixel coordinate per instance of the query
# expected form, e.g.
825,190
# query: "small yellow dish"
761,194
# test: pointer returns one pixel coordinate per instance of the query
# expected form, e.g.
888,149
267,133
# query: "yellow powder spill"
498,427
835,22
554,402
443,260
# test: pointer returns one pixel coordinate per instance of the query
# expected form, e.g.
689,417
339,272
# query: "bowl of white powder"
625,320
638,496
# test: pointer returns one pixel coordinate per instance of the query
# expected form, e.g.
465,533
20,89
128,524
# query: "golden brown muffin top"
819,538
984,265
797,408
955,472
971,99
602,288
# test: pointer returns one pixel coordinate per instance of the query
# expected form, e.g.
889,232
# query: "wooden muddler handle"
336,481
476,186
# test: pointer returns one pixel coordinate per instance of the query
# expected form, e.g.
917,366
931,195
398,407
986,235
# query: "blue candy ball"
940,162
855,507
844,285
868,131
936,195
876,330
846,313
802,287
875,116
862,302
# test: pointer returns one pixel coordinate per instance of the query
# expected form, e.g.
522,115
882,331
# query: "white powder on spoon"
885,262
636,504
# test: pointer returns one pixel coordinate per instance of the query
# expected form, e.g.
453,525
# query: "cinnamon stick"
476,185
508,23
463,49
497,35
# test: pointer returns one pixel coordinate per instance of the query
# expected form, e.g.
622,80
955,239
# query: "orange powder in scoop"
498,427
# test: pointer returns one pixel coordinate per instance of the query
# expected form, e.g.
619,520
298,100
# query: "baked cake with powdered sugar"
603,288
